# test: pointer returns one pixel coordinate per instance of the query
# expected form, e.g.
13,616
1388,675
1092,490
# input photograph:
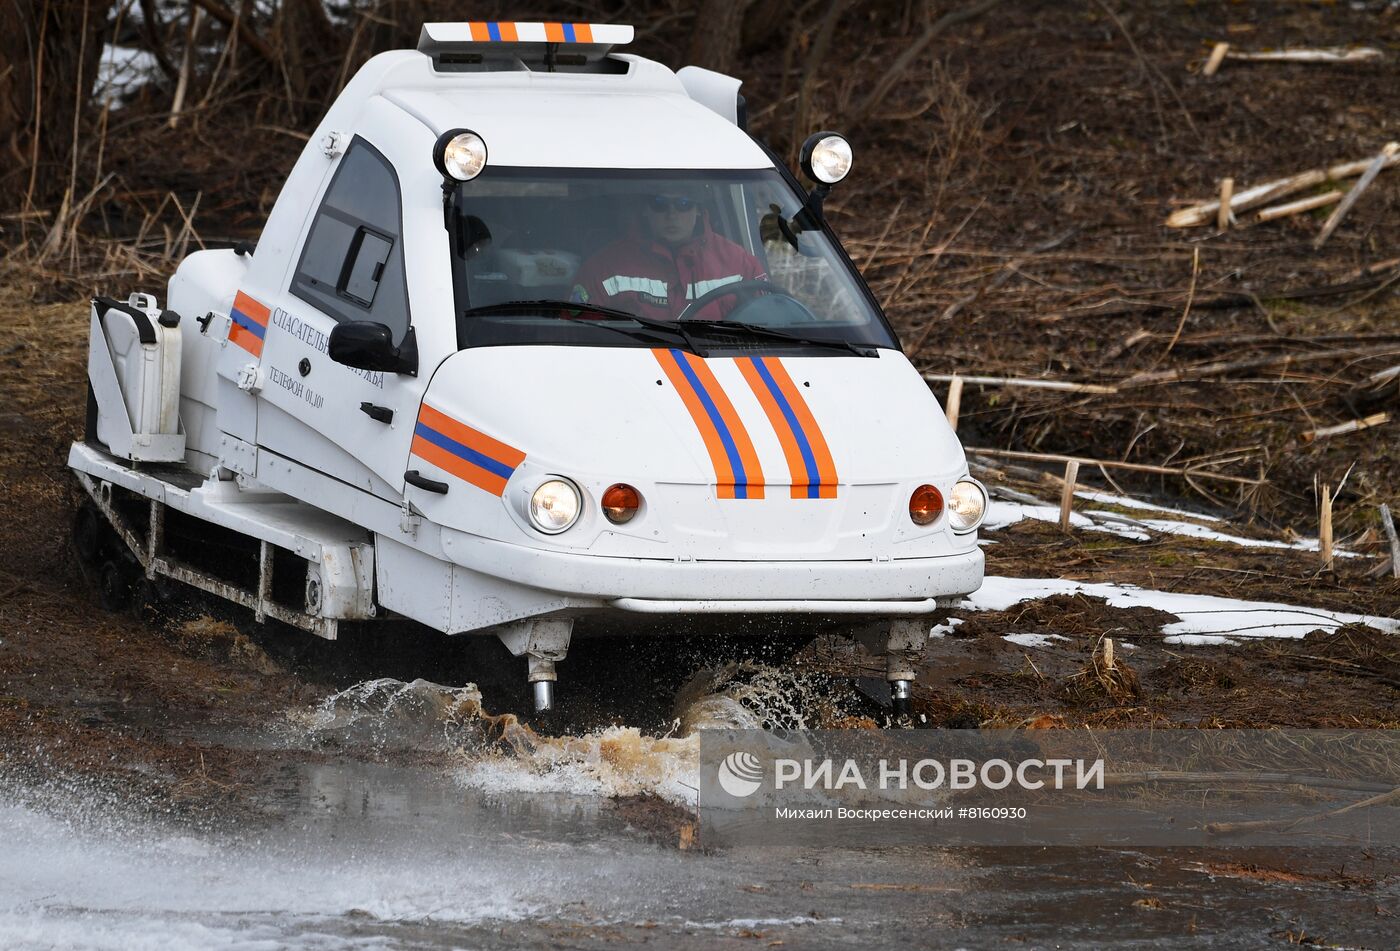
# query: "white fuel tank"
134,368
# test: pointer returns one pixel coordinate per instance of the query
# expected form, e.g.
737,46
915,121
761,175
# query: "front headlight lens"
555,506
831,159
463,156
967,505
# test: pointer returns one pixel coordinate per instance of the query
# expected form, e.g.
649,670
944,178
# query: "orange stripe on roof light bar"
502,31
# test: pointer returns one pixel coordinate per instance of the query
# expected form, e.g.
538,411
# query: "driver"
670,259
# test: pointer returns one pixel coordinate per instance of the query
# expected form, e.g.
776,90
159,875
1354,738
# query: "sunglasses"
660,204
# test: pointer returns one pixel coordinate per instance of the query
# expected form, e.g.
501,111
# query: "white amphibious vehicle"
536,333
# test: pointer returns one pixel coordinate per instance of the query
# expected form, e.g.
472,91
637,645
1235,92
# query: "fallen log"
1207,212
1297,207
1361,185
1351,426
1189,472
1282,825
1022,382
1227,300
1328,54
1281,361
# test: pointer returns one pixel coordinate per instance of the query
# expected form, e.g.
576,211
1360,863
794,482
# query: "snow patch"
946,628
121,71
1108,498
1192,530
1200,617
1002,513
1034,640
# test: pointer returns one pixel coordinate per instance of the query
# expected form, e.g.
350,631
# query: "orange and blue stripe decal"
808,457
494,31
466,453
737,472
249,323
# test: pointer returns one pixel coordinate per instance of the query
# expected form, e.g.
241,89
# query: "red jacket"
647,278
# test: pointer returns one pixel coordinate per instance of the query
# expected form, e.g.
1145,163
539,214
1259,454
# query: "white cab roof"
639,119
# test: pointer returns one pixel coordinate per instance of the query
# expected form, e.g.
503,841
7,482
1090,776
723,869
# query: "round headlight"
966,505
460,154
554,506
826,157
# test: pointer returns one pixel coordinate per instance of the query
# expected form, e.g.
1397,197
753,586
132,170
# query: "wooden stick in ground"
1388,524
1263,194
1224,216
1190,297
1217,56
1067,494
1351,426
1186,472
1297,207
1367,177
1324,532
1021,382
955,387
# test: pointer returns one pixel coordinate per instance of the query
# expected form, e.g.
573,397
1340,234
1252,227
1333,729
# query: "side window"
351,266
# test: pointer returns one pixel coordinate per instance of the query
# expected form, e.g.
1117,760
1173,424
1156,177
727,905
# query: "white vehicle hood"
736,457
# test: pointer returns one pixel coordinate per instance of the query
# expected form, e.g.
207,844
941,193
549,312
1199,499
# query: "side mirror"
369,345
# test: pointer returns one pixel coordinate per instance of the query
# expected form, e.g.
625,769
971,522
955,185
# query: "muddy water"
512,843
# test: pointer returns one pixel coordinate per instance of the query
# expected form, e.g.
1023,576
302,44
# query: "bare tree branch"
916,49
231,20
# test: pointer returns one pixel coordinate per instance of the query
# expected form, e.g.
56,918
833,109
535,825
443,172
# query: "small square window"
364,266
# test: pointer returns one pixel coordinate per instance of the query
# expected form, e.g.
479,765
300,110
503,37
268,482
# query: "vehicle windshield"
710,249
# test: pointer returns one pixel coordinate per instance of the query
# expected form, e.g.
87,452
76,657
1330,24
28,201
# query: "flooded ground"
436,825
361,855
355,855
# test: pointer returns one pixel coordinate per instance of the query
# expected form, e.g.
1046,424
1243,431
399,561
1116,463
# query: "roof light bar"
478,31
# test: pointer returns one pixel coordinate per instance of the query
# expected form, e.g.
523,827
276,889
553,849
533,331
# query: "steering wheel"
745,291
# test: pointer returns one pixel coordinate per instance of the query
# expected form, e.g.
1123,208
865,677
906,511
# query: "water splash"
499,754
391,714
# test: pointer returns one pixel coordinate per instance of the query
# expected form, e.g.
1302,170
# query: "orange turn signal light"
925,505
621,501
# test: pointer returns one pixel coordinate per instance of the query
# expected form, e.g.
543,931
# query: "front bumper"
653,585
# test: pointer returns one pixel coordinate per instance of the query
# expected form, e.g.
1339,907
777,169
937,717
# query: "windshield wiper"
562,308
761,331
